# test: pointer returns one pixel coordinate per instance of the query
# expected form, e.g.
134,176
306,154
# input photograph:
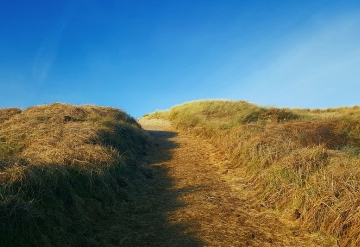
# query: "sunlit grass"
62,169
303,163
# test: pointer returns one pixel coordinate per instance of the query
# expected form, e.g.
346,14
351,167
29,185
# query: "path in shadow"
161,199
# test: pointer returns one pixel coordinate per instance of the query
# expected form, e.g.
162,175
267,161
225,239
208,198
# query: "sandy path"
209,209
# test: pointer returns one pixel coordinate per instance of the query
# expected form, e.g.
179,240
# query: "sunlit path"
208,206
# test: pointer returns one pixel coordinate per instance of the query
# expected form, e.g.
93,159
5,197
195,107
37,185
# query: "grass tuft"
7,113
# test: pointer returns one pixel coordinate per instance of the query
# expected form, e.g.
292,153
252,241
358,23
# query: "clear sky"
143,56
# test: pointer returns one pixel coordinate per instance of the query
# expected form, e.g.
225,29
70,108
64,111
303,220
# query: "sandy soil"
202,204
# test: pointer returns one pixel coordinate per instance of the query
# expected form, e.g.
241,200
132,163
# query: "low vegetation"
63,170
302,164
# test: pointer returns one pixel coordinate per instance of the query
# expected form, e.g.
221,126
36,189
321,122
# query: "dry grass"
302,164
62,169
215,211
7,113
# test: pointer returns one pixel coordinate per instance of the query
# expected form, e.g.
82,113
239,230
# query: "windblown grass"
302,163
62,168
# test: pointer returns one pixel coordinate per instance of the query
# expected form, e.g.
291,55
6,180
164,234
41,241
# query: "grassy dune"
63,170
303,164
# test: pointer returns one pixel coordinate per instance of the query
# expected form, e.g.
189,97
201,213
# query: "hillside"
213,210
205,173
299,164
64,171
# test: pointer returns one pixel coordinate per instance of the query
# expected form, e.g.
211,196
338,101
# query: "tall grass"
61,168
302,163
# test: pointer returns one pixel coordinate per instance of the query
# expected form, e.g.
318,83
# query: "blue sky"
143,56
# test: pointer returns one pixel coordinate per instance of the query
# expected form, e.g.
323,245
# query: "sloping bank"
302,164
63,169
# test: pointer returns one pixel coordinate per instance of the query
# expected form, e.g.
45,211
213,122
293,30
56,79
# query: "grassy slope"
63,169
301,163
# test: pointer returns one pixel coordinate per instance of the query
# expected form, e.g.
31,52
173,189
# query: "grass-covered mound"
302,163
63,168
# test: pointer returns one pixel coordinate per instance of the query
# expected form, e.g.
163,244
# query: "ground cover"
63,169
301,164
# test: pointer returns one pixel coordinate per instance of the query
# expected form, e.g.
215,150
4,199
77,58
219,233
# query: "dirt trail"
204,203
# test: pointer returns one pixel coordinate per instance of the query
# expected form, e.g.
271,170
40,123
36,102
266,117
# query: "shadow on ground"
151,222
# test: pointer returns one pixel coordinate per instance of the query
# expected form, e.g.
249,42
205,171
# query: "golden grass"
7,113
303,164
217,212
61,168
